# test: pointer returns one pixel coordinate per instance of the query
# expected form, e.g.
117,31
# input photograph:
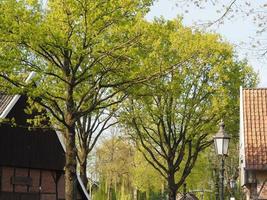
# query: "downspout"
242,162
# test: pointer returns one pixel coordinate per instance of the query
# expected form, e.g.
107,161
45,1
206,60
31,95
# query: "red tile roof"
255,128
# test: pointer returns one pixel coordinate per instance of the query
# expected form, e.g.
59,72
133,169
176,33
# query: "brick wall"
61,187
42,182
20,172
35,181
6,185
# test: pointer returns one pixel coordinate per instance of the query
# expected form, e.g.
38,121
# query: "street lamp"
232,183
232,186
221,141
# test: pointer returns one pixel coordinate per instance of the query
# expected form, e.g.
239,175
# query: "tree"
232,10
89,128
145,178
123,171
172,118
77,49
114,163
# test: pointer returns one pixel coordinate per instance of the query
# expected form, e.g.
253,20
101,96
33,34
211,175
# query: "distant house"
188,196
31,162
253,142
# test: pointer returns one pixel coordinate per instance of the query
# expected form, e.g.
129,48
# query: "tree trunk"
70,167
172,193
172,187
83,168
71,152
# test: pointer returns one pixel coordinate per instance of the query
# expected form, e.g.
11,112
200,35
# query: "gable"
255,128
22,147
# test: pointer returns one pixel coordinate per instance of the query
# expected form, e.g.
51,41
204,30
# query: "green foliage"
87,54
78,50
124,172
114,161
173,118
145,177
81,43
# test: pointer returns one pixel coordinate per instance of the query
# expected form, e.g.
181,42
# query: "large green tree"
79,52
172,118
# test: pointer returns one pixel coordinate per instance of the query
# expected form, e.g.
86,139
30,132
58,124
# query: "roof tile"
255,127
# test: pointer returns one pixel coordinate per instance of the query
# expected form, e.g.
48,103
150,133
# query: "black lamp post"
221,141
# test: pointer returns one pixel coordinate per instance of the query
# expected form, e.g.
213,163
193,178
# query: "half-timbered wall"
31,184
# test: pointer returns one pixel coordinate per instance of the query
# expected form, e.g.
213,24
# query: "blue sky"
239,31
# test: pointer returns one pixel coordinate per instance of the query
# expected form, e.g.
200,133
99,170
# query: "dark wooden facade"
31,184
31,161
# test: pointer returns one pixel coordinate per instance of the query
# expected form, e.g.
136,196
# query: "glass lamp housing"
221,141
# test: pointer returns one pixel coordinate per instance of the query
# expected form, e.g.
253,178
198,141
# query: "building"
187,196
253,142
31,161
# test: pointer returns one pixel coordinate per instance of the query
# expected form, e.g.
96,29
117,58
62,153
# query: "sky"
240,30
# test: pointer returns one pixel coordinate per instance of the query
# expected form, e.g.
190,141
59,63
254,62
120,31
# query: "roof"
188,196
8,101
255,128
4,101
